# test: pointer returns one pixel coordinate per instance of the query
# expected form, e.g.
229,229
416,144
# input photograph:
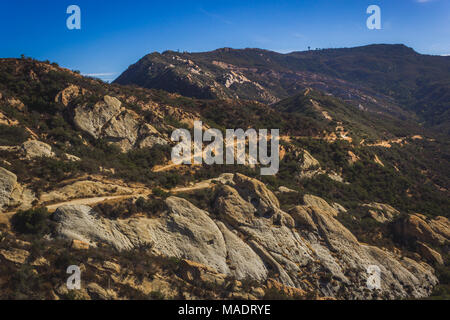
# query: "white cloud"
99,74
105,76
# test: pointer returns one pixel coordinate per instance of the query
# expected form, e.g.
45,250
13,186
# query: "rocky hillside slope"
86,179
248,236
384,78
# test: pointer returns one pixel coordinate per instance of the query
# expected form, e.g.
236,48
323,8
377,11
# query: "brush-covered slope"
85,170
385,78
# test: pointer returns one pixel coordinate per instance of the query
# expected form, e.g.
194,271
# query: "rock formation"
12,194
249,236
109,120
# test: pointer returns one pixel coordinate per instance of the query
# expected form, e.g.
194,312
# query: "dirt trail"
171,165
165,168
91,201
198,186
224,178
5,217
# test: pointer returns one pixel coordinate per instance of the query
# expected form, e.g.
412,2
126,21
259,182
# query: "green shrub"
11,136
33,221
158,192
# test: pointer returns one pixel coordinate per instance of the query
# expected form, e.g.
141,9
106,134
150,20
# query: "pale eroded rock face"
291,247
12,194
8,181
92,119
382,212
78,222
107,119
185,232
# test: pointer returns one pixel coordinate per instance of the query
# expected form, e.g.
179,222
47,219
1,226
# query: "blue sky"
115,34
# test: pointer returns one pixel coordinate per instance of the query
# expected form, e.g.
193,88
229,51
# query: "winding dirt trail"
5,217
91,201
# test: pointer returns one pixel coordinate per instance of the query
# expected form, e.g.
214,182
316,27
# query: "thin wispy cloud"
215,16
299,35
104,76
108,74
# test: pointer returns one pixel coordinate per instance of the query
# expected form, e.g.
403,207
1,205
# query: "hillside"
86,179
391,79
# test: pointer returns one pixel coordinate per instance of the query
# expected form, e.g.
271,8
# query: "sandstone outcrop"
15,255
12,194
418,227
310,168
36,149
429,254
109,120
248,236
185,232
8,181
309,162
382,212
68,94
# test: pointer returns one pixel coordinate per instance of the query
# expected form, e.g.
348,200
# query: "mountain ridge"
388,78
348,193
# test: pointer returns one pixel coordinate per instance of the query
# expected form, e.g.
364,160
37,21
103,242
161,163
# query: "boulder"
382,212
68,94
15,255
283,189
123,128
418,227
98,293
302,218
36,149
12,194
256,192
151,141
79,245
16,103
8,181
309,161
313,201
71,157
429,254
92,119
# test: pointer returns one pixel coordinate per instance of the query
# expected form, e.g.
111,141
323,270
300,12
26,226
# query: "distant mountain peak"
382,77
